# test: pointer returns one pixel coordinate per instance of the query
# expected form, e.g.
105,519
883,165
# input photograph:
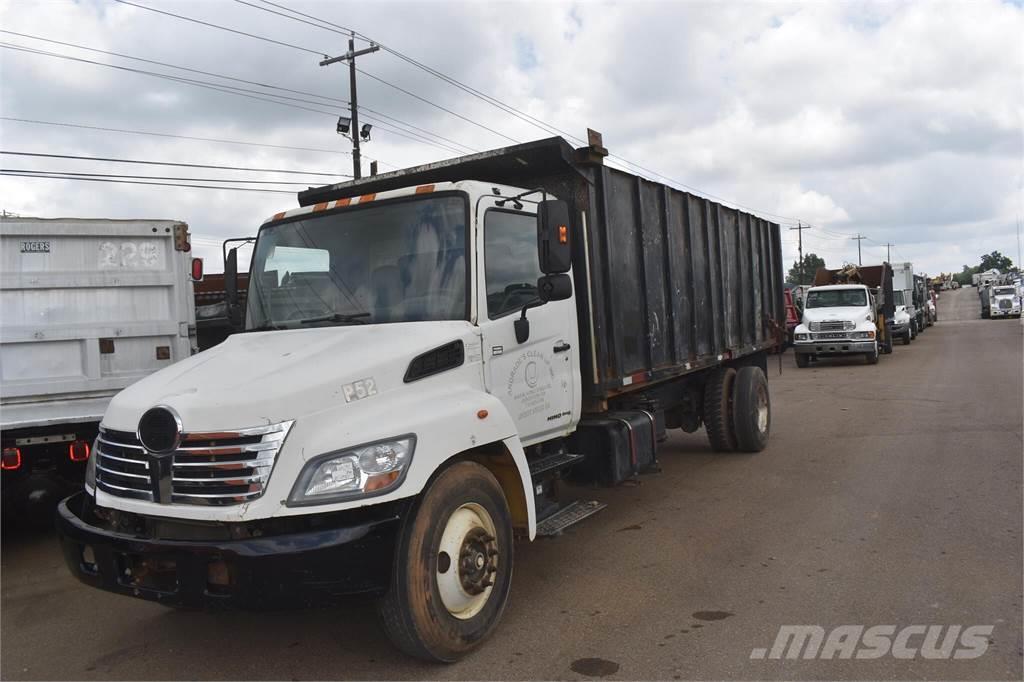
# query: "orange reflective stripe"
320,207
424,189
342,202
367,197
278,216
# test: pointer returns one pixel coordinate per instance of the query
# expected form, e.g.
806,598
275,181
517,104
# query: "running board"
559,460
569,515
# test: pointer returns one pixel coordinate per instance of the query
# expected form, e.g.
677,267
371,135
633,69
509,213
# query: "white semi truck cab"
838,320
1004,301
421,364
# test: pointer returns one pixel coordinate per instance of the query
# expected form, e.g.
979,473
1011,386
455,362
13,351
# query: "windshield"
1004,291
897,297
402,261
835,298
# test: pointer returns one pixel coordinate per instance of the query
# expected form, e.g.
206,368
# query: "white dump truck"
88,307
424,355
849,311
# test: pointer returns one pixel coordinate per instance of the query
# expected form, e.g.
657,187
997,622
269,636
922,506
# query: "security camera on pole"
352,124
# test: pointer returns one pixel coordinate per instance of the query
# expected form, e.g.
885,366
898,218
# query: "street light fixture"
343,125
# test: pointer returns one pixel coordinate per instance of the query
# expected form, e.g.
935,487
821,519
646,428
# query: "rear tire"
752,409
453,567
802,359
906,339
718,409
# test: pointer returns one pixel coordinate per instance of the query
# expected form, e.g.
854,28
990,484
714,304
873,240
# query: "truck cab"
838,320
902,324
1004,301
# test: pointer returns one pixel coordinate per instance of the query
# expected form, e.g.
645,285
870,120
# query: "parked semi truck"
1004,301
847,312
88,307
425,353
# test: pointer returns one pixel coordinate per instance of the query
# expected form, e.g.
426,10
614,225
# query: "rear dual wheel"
737,409
453,567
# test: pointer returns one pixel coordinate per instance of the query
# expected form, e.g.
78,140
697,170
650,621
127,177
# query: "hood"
855,313
261,378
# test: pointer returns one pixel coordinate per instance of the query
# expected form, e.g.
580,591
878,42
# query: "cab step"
554,462
569,515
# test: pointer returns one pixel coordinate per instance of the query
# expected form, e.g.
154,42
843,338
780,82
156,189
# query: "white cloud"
899,120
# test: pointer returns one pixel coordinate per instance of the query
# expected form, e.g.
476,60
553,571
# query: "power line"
141,182
241,92
173,66
223,28
169,163
180,137
154,177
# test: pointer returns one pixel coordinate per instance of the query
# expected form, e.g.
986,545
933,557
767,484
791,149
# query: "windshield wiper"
268,326
337,317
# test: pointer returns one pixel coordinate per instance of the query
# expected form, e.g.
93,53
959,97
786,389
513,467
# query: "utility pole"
800,227
859,237
888,252
350,57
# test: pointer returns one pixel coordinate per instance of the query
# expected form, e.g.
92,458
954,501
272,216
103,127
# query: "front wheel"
802,359
872,357
906,339
453,567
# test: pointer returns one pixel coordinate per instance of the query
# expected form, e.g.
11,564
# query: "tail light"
197,269
11,459
78,451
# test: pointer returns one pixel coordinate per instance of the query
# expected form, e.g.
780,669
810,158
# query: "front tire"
453,567
802,359
752,409
872,358
906,339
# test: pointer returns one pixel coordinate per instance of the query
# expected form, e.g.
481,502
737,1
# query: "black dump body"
666,282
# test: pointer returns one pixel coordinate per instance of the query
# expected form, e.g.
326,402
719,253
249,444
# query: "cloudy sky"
898,121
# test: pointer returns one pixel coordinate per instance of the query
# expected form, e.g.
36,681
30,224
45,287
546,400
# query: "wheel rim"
467,560
762,410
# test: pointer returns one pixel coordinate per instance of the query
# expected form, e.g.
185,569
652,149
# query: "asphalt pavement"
889,495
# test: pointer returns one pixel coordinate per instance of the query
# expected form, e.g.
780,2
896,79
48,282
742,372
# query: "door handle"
561,348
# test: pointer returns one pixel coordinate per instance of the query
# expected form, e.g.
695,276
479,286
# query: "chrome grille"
224,467
832,326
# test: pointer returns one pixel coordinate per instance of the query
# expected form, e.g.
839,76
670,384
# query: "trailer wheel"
802,359
752,409
453,567
718,409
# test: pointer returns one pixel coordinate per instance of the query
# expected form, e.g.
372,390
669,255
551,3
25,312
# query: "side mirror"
554,287
231,288
553,242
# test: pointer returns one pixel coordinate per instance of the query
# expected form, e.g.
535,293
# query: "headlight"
90,470
862,335
801,337
370,469
849,326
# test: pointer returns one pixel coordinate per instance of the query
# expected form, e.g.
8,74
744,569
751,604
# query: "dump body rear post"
421,358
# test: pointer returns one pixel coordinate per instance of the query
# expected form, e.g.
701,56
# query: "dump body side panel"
682,282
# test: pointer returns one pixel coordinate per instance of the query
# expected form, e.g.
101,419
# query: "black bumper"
347,554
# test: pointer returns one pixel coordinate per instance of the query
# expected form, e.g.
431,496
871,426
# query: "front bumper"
330,556
1004,312
899,329
834,347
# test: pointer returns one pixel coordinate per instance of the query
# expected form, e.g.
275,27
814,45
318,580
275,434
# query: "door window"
511,264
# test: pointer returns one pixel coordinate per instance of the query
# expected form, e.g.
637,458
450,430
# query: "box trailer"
423,355
88,307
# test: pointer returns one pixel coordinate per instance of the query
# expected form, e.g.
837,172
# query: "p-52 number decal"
358,390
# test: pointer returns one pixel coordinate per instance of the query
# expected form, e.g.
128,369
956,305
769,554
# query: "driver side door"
536,380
